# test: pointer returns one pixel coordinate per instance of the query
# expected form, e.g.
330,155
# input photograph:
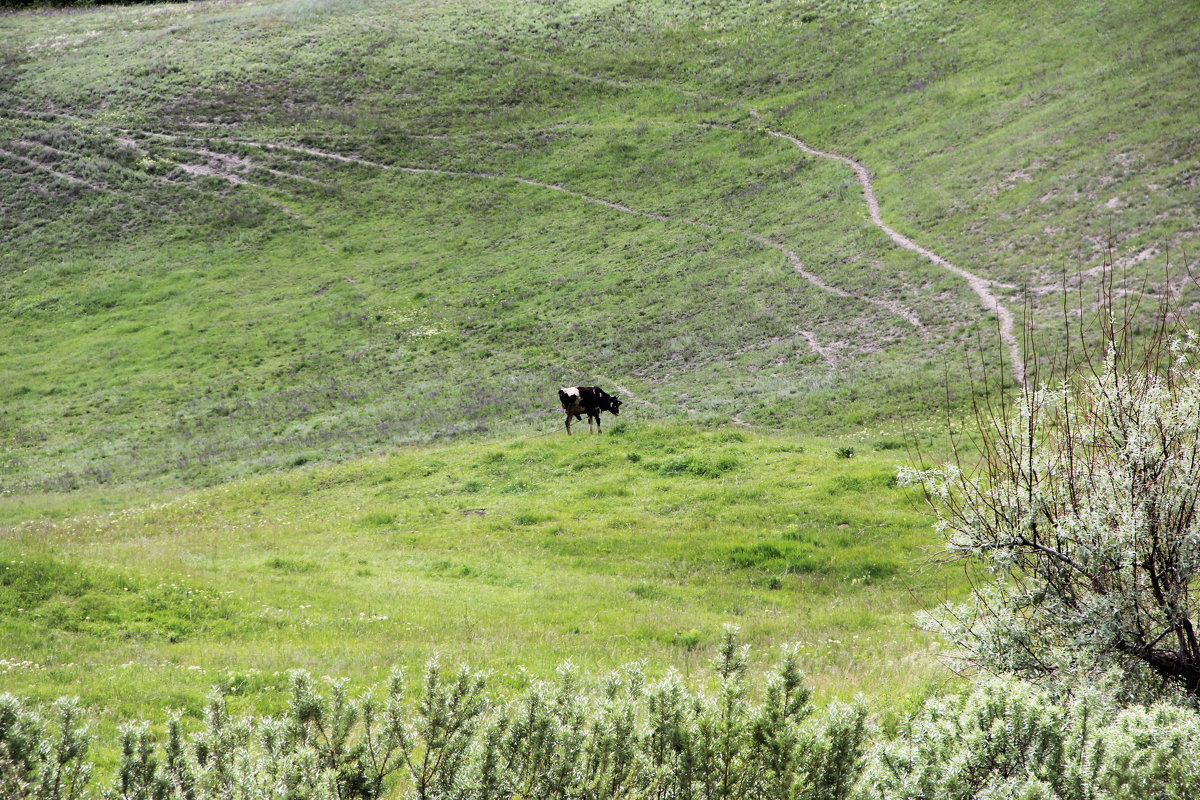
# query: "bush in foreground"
631,739
1009,739
1081,521
1003,738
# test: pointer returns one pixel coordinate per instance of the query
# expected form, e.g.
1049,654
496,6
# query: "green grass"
267,408
273,307
510,554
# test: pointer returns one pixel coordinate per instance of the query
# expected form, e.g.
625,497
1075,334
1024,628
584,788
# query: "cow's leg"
568,423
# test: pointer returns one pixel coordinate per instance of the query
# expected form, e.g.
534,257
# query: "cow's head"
614,404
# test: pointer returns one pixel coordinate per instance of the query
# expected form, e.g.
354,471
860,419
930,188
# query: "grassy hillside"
512,557
218,260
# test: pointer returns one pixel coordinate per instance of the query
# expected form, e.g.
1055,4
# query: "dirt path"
62,176
826,353
890,306
798,266
630,394
981,286
231,168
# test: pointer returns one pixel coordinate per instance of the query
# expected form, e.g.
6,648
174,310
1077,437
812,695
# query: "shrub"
1084,517
40,760
1008,738
629,739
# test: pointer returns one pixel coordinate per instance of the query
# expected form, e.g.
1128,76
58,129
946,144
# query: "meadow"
217,262
287,288
510,555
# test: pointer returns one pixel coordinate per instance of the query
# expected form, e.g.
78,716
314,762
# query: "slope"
243,235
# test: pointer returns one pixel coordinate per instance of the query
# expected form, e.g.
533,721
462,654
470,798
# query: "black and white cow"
590,400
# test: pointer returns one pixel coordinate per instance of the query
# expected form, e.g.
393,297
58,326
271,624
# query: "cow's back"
569,396
586,398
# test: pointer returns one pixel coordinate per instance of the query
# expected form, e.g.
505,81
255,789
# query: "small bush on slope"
42,760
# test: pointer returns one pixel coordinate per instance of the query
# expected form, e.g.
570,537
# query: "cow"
590,400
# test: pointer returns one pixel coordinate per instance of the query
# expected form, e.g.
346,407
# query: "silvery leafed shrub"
42,759
632,738
1081,522
1009,739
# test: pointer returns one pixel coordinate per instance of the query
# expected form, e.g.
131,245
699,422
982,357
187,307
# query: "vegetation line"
632,396
824,352
977,284
890,306
797,264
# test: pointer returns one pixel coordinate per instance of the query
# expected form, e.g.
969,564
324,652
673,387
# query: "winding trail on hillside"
235,169
222,166
227,166
890,306
979,285
826,353
62,176
623,390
